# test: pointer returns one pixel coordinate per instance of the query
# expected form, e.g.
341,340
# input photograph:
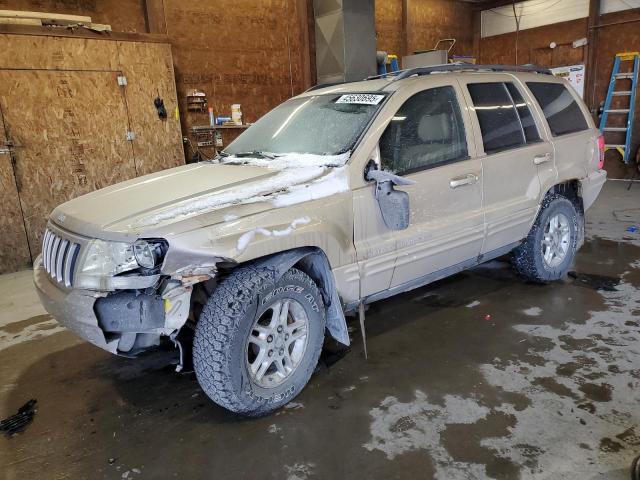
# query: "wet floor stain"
597,282
445,394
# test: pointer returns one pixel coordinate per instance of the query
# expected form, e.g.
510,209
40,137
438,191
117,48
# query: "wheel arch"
572,191
315,263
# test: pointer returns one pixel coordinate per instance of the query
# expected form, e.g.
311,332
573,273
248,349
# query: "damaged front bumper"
72,308
124,321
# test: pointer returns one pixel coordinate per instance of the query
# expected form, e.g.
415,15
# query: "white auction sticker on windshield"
361,98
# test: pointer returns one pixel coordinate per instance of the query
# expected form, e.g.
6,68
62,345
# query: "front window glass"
426,132
327,124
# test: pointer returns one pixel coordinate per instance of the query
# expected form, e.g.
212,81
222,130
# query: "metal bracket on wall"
5,151
131,136
122,80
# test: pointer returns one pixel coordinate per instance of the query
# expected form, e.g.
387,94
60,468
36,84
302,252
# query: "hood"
121,208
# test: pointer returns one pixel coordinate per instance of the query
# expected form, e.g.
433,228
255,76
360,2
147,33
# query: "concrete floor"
545,388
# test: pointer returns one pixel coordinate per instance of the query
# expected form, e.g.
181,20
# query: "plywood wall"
14,253
69,118
428,22
242,52
533,45
122,15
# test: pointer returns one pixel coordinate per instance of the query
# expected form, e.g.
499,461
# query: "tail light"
601,149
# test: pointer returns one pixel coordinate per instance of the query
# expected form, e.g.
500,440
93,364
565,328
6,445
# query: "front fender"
314,263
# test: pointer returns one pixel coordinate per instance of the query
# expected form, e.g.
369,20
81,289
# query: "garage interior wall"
426,23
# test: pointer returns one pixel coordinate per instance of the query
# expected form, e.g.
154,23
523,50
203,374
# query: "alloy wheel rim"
556,240
277,343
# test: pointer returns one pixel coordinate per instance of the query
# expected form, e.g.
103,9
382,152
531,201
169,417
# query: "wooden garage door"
69,129
14,250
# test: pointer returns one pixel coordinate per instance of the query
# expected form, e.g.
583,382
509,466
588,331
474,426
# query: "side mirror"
394,204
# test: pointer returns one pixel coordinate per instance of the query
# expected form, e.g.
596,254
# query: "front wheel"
258,340
549,249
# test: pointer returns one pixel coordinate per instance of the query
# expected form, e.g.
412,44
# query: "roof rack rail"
461,67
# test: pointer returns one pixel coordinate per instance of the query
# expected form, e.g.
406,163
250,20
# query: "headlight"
108,258
147,254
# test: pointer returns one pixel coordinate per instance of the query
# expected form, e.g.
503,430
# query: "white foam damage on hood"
301,177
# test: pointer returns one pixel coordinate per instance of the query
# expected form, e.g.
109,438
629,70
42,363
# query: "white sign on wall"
574,74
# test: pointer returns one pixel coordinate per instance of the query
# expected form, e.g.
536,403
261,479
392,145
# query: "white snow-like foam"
291,160
247,237
299,178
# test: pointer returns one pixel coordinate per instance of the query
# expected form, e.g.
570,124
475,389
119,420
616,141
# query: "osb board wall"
428,22
14,253
437,19
122,15
64,146
158,143
69,117
242,52
389,26
533,45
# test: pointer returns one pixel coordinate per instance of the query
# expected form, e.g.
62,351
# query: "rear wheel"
258,340
549,249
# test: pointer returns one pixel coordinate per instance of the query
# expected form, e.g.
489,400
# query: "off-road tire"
226,322
527,258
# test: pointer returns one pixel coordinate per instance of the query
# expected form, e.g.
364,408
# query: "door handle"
540,159
468,179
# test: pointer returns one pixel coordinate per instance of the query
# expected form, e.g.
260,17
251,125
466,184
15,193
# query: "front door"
427,141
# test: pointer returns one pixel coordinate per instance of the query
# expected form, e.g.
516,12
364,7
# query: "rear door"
513,147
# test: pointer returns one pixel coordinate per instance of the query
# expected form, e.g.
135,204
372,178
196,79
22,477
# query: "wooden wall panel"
14,253
122,15
34,52
69,130
436,19
428,22
389,26
533,45
149,71
236,52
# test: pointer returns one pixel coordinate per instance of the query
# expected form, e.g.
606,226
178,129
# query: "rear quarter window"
559,107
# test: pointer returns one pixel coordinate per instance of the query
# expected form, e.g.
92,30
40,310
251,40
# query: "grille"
59,257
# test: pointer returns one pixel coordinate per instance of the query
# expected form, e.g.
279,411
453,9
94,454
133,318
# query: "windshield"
321,125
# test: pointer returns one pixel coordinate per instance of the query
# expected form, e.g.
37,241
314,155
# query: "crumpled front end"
72,308
104,297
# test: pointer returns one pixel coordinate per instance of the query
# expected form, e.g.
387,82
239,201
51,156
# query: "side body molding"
314,263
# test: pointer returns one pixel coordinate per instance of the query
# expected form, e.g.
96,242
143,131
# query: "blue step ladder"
616,76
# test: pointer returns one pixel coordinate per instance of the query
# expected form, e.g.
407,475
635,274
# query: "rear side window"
526,119
499,120
560,109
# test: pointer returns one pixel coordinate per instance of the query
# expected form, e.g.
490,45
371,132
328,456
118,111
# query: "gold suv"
339,197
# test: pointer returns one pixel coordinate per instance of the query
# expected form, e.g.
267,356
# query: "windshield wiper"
254,154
